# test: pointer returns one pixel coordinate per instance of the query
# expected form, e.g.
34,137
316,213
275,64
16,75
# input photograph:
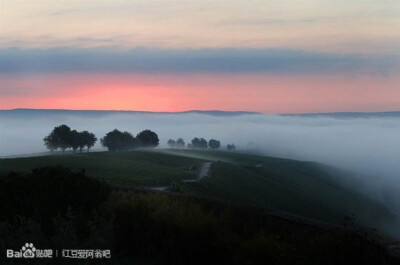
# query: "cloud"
224,60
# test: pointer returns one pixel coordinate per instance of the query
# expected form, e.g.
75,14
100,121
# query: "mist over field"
369,146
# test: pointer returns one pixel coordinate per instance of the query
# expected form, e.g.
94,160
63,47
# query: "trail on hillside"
201,173
204,170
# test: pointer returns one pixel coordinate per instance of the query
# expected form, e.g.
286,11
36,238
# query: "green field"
303,188
139,167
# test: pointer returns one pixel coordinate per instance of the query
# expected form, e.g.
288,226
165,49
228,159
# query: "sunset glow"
266,56
254,92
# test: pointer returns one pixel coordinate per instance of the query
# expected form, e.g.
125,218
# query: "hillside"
302,188
57,207
140,168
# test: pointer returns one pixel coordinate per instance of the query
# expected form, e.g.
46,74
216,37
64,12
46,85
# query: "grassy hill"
303,188
131,168
57,208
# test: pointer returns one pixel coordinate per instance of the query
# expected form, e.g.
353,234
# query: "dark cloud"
59,60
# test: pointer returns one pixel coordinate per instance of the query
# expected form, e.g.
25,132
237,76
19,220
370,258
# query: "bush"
49,191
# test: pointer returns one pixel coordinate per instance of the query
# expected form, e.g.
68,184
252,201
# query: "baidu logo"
28,251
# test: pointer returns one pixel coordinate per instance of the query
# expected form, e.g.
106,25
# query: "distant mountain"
99,113
349,115
96,113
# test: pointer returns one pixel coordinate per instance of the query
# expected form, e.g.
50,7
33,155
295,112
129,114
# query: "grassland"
302,188
139,167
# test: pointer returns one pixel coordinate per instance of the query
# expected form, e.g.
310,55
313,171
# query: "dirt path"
203,172
205,169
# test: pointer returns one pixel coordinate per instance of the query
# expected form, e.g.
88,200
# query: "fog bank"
366,145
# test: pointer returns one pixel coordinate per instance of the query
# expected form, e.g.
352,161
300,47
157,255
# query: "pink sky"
266,56
180,92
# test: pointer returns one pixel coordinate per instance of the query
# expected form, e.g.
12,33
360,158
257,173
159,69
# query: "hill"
138,168
303,188
147,227
25,112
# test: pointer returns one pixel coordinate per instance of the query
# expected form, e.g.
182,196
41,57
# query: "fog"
366,145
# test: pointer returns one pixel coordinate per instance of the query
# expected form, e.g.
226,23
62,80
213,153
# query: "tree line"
117,140
198,143
62,137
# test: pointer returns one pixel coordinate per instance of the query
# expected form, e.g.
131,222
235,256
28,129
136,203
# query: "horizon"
202,110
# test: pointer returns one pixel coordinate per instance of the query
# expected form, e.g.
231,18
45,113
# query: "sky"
281,56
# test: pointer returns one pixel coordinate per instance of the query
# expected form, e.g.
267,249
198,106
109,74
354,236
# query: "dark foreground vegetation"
56,208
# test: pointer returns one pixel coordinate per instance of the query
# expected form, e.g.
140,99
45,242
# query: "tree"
75,139
112,140
203,143
63,137
63,132
171,143
231,147
60,137
199,143
180,143
117,140
195,142
51,142
148,138
87,139
214,144
83,138
128,141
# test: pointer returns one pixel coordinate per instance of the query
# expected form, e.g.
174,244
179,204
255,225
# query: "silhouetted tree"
129,142
75,140
117,140
88,140
199,143
214,144
148,138
180,143
171,143
203,143
195,142
51,142
189,146
60,137
231,147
